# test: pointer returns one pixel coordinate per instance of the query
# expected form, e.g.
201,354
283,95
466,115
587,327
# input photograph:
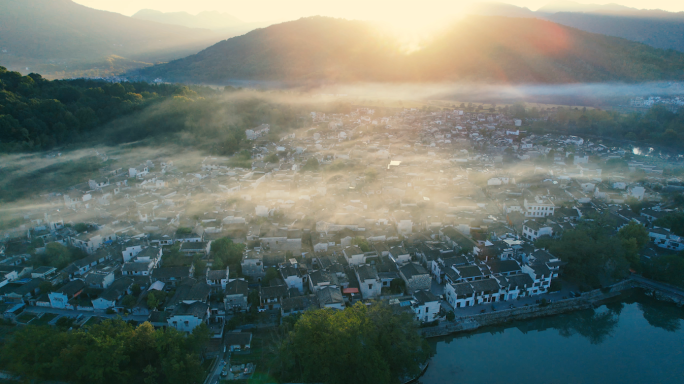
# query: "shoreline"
585,301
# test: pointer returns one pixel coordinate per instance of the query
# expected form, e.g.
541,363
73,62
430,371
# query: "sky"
394,11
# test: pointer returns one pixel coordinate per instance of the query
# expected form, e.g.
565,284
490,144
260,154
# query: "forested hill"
479,48
55,36
39,114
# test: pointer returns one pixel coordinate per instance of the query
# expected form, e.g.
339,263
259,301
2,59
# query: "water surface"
634,339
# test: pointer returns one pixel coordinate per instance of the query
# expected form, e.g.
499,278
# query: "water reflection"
662,315
632,339
596,327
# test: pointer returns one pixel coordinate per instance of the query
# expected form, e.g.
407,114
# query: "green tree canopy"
361,344
226,253
110,352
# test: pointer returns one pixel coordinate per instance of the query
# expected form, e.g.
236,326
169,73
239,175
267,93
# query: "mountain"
209,19
571,6
52,36
664,33
221,23
657,28
478,48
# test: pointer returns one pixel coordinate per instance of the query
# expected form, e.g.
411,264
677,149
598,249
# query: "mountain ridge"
205,20
54,35
479,48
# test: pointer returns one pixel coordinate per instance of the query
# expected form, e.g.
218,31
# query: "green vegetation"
58,256
673,222
226,253
37,114
658,126
322,345
397,286
109,352
668,269
362,243
271,274
183,231
594,254
272,158
311,165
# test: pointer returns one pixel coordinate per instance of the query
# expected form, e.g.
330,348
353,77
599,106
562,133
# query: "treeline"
110,352
361,344
595,253
658,126
38,114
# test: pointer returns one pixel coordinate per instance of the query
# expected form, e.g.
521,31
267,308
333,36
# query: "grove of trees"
361,344
595,253
109,352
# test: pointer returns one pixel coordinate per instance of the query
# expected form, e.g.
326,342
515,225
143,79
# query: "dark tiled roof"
237,287
412,269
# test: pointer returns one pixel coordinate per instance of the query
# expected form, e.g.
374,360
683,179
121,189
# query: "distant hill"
209,19
657,28
53,36
221,23
479,48
664,33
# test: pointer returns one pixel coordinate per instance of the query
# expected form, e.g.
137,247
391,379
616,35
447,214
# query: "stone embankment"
584,301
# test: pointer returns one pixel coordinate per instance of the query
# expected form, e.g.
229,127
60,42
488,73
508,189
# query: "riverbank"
473,322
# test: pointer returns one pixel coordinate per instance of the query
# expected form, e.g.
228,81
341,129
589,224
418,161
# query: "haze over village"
212,192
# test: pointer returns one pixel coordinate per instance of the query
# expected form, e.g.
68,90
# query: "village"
437,213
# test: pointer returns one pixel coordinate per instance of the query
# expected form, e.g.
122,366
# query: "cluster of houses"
417,207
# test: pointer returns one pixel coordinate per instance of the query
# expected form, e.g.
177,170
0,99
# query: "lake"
633,339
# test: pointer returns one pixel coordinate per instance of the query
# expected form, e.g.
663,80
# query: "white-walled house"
60,298
539,207
185,317
426,305
369,282
354,255
293,277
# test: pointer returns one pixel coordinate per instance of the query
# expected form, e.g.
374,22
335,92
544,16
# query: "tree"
152,302
673,222
450,316
591,252
183,231
272,158
226,253
80,227
253,298
361,344
112,351
362,243
135,290
666,268
635,205
634,238
398,286
128,301
311,165
56,255
45,287
271,274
